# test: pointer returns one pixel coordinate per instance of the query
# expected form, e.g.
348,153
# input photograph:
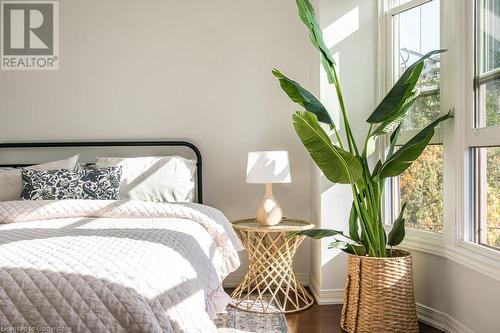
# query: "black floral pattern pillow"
50,185
100,183
62,184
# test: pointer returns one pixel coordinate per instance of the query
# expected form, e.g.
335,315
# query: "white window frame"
457,135
480,137
388,73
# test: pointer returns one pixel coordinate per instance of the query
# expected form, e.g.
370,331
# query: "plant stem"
334,128
365,149
350,138
364,222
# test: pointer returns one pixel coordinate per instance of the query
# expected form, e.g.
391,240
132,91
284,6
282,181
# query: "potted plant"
379,293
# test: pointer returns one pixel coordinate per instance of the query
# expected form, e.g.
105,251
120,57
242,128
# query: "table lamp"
268,167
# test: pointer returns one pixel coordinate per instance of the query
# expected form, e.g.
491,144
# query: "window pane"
488,63
425,110
488,35
421,187
417,32
488,169
492,91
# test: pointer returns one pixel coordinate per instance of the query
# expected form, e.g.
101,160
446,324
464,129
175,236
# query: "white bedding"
113,266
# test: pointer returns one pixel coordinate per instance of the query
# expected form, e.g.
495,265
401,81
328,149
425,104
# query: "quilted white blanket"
113,266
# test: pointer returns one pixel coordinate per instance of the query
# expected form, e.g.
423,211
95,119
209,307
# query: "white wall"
456,294
165,69
469,298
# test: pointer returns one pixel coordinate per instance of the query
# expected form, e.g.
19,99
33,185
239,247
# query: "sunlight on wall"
333,34
341,28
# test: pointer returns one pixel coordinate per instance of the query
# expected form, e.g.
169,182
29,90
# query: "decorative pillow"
11,183
50,185
156,179
100,183
62,184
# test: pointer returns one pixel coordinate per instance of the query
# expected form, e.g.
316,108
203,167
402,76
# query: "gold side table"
270,285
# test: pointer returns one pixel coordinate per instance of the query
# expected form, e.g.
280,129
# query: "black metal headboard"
199,178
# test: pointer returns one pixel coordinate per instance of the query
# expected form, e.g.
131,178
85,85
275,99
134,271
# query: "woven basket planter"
379,295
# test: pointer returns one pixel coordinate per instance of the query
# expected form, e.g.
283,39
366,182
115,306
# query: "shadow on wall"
336,199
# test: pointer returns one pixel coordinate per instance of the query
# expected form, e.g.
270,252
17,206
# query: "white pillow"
157,179
11,182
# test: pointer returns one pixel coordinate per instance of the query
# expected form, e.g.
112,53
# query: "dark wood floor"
323,319
326,318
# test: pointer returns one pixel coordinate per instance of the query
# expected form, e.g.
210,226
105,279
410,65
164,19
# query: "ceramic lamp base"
269,211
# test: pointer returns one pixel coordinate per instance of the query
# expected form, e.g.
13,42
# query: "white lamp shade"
267,167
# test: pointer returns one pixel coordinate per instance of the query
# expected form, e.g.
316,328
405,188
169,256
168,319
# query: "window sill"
424,241
479,258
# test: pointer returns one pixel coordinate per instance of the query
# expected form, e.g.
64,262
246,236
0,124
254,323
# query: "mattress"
113,266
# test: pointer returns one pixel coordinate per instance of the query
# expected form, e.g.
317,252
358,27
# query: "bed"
113,265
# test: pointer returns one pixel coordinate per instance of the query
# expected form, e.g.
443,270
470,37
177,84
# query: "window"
421,187
453,190
484,154
415,30
488,195
487,79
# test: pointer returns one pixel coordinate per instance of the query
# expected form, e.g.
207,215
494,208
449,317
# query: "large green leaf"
353,224
303,97
338,165
394,139
408,153
389,124
396,102
371,146
351,248
316,233
397,233
308,17
377,168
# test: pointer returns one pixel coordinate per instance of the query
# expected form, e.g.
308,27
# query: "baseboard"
440,320
428,315
425,314
233,280
326,296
